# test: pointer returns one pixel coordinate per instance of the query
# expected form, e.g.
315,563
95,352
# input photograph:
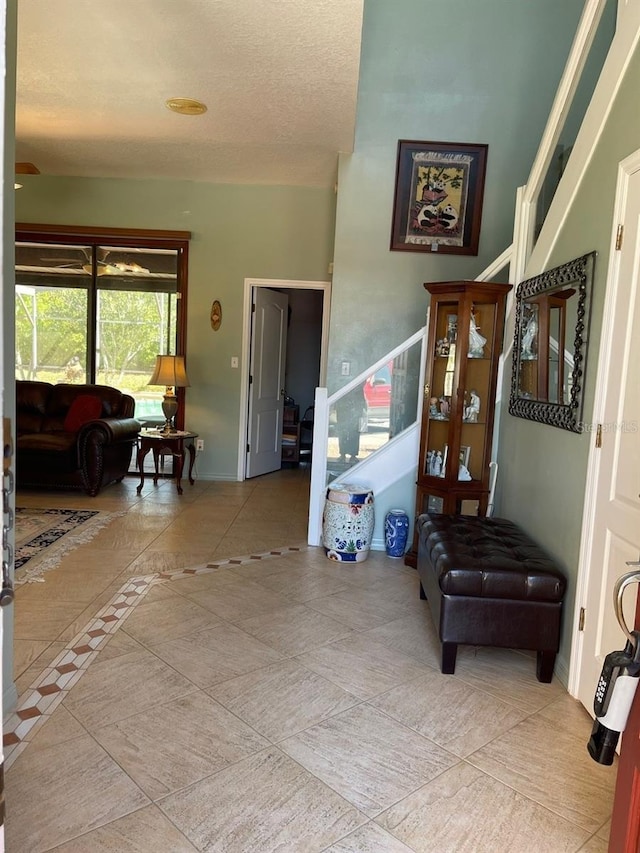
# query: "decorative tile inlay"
27,713
48,688
53,684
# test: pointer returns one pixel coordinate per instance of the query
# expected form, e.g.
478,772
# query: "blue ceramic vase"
396,531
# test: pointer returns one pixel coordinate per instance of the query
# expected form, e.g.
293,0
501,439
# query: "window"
98,306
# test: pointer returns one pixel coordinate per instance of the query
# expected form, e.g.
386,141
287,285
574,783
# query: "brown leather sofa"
73,436
489,584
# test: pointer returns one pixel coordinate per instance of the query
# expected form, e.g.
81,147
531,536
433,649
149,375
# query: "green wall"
543,469
237,232
464,72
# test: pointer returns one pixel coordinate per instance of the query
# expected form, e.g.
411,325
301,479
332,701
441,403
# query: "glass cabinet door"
441,381
477,393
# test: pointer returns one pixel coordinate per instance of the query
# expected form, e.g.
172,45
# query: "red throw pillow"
85,407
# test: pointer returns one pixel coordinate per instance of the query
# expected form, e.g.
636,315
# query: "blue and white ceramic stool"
347,522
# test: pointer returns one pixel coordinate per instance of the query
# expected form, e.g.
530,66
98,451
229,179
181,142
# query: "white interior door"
266,388
614,481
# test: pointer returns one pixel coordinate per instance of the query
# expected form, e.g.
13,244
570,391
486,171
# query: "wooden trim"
625,820
181,327
125,236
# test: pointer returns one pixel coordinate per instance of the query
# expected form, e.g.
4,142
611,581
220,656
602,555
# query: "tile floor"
274,702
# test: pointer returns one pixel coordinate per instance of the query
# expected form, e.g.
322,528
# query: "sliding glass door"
100,311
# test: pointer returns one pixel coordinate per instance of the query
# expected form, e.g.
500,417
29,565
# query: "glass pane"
132,328
37,263
438,404
61,327
51,333
125,268
366,418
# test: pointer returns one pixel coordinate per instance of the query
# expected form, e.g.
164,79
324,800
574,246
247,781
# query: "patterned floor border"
51,687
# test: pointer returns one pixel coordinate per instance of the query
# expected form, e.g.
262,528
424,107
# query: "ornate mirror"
550,344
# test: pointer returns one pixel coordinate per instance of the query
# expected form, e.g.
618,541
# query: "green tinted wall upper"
475,72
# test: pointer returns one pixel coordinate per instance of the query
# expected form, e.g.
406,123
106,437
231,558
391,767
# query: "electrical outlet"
199,444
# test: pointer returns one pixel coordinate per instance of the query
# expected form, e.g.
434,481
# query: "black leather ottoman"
489,584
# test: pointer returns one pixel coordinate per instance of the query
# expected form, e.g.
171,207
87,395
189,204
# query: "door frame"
274,284
626,168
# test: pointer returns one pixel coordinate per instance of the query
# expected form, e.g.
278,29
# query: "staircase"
390,468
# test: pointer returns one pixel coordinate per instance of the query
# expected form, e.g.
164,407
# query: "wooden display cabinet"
466,327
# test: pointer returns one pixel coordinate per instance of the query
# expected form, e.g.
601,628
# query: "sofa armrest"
110,430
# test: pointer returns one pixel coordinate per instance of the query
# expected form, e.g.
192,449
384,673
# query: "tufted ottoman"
488,583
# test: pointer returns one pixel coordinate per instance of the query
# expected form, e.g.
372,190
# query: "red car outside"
377,392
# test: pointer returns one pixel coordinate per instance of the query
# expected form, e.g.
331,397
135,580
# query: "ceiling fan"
104,267
79,263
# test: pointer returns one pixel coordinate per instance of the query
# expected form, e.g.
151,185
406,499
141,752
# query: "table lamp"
169,371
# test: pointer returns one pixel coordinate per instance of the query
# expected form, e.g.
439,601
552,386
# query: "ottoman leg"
449,652
544,666
422,593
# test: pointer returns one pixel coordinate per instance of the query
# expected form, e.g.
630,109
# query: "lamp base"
169,409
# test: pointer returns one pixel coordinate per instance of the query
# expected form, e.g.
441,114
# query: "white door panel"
267,365
615,508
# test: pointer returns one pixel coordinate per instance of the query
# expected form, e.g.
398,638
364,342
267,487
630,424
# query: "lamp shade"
170,371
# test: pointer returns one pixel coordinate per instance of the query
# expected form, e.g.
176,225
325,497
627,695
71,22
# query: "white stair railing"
322,409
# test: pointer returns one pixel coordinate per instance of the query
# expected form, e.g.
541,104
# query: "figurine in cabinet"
472,411
476,340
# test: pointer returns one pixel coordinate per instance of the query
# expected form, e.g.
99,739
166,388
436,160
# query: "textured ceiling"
279,78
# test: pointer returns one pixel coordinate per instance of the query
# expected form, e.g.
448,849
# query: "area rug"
45,536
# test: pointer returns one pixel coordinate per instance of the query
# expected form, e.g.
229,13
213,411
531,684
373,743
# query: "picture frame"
438,197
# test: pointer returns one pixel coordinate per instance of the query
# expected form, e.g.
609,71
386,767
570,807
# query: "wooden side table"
174,443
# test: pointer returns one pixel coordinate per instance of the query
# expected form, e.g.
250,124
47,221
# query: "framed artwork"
438,197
